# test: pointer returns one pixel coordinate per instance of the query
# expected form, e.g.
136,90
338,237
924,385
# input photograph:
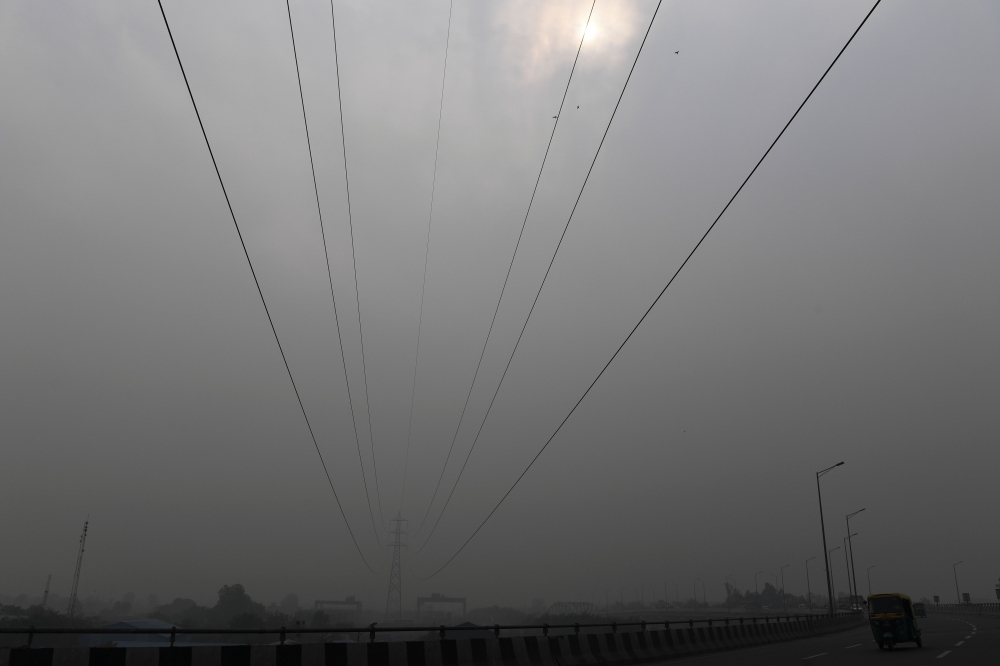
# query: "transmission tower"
394,603
76,574
45,597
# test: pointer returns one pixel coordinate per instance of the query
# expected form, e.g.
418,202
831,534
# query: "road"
948,640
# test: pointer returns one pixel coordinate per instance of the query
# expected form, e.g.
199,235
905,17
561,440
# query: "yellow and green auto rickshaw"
893,620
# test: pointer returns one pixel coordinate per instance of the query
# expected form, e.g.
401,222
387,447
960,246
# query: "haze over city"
844,308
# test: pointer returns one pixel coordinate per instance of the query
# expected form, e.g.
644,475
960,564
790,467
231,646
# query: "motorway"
948,639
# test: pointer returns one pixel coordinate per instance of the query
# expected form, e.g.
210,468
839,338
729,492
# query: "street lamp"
808,586
870,579
847,570
784,603
756,594
829,578
822,527
851,547
955,572
729,591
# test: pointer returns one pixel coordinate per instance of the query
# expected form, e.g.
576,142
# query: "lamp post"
756,594
822,527
851,547
784,602
829,578
955,572
729,591
847,570
808,586
870,579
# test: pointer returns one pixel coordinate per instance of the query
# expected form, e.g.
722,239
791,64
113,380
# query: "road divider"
610,648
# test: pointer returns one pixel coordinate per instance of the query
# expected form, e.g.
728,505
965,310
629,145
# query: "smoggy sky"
844,308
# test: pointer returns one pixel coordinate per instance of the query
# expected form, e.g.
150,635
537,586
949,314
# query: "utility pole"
45,597
809,592
826,555
76,574
870,579
954,571
394,602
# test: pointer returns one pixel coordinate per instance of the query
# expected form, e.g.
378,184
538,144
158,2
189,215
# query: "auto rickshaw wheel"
920,642
890,644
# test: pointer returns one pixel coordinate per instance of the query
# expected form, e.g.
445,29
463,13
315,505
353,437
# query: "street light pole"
955,572
833,589
756,594
847,570
851,547
808,586
870,579
822,527
784,602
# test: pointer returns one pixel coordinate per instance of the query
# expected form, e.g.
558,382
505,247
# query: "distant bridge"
572,608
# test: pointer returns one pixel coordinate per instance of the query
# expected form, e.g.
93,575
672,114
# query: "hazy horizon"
844,308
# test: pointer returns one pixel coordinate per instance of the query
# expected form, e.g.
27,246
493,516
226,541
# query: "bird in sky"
676,52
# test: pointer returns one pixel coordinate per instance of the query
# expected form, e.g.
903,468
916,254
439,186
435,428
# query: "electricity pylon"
394,602
76,574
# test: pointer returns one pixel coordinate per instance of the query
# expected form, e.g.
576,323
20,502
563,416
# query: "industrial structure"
436,598
350,604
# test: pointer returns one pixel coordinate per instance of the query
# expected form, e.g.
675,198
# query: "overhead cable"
663,291
329,273
545,277
427,249
503,289
354,262
260,292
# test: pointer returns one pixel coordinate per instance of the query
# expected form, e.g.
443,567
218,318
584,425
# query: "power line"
329,274
669,282
354,262
427,249
545,277
260,292
489,333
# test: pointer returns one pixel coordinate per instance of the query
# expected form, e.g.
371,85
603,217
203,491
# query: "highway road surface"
948,640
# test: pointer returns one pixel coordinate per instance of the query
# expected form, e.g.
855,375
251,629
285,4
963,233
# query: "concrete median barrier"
578,649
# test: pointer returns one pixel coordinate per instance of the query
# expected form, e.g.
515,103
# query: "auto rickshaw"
919,609
892,620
